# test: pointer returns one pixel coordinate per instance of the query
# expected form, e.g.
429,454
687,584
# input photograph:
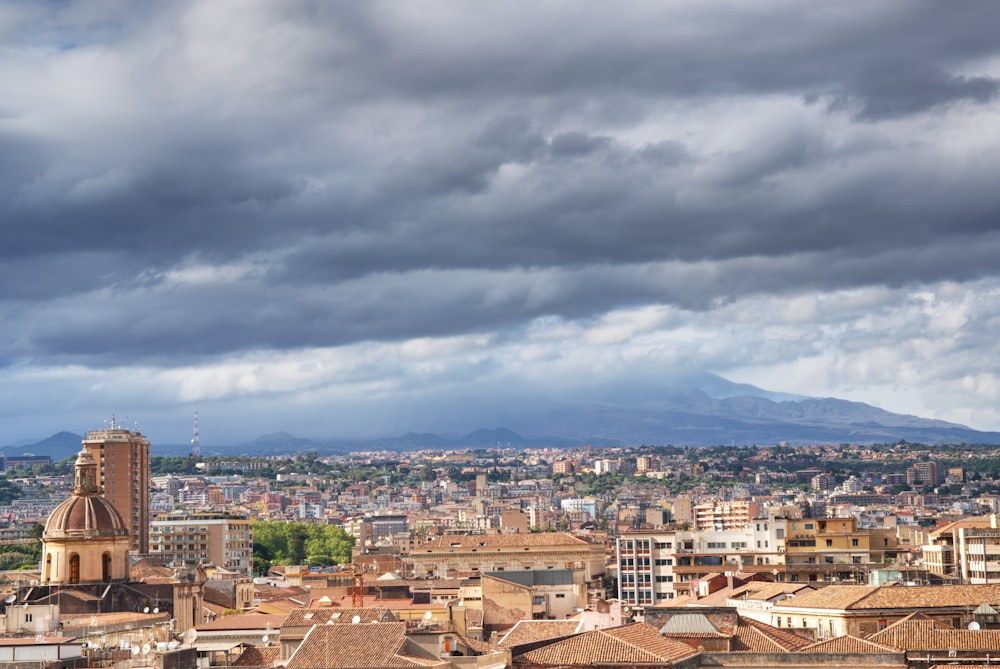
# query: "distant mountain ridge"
696,411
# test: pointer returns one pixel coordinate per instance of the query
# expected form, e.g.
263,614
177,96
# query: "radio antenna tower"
196,440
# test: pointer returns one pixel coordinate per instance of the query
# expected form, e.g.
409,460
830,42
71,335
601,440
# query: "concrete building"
122,458
458,555
223,540
654,566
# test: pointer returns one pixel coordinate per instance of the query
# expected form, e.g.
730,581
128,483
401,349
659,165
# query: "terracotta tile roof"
830,597
928,635
629,644
475,644
530,631
849,644
286,605
504,541
149,570
258,656
910,597
302,617
369,646
752,636
862,597
242,621
763,591
680,602
979,522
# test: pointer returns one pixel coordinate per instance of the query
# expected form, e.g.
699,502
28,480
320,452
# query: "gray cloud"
189,181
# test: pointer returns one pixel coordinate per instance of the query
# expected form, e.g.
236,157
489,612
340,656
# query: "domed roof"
86,513
85,516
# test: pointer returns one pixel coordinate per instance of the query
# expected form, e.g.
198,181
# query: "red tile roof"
530,631
752,636
258,656
849,644
361,646
629,644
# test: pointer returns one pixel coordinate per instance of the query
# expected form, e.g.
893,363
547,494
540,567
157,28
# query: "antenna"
196,439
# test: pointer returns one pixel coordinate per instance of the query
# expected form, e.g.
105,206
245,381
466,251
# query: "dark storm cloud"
389,171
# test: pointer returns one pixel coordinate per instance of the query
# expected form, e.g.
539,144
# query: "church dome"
85,516
85,513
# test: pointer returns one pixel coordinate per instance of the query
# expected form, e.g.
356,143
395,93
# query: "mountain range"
702,410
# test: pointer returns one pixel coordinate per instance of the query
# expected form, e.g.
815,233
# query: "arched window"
106,567
74,568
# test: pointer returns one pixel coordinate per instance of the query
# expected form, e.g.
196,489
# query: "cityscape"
499,334
505,556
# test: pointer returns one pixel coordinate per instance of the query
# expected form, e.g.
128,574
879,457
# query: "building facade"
223,540
123,476
654,566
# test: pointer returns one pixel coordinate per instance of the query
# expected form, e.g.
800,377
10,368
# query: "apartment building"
123,476
658,565
820,549
223,540
722,516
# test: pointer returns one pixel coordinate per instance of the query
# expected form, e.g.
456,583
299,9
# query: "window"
829,542
854,542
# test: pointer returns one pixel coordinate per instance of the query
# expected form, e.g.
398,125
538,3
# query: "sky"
361,218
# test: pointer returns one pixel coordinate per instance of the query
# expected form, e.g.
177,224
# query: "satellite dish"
25,605
355,620
85,645
135,650
146,610
173,644
145,649
156,609
428,615
10,599
974,626
189,636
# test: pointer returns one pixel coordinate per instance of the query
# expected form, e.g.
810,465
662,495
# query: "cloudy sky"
347,218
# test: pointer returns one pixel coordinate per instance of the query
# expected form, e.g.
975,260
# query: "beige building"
123,477
223,540
510,596
861,610
457,555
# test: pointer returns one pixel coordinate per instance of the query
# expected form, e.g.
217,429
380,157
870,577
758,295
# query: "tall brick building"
123,476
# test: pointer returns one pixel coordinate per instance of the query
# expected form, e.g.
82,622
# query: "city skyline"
334,219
